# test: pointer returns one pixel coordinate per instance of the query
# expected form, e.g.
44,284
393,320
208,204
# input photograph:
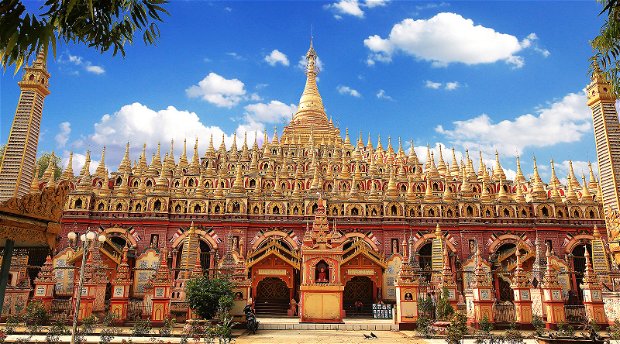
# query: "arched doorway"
205,257
359,288
578,261
272,297
425,258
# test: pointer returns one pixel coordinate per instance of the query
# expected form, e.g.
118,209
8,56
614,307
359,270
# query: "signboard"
380,311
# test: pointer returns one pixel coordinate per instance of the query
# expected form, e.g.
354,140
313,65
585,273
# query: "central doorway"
359,288
272,297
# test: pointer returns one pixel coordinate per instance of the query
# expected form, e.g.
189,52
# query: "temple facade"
311,224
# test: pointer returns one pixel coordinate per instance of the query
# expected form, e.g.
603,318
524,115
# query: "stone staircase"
271,308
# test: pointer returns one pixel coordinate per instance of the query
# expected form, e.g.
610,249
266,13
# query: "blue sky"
494,75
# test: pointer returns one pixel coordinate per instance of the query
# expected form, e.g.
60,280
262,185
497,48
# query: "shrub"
12,321
513,335
539,325
223,329
206,296
166,329
444,309
35,316
57,329
565,330
424,327
614,330
141,327
457,329
88,324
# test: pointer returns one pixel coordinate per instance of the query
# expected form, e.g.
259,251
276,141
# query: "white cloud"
452,85
235,55
78,61
348,91
95,69
276,57
349,7
376,3
579,167
433,85
273,112
563,121
137,123
382,95
353,7
218,90
447,38
63,134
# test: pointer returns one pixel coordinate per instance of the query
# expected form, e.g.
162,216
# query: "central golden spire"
310,123
310,103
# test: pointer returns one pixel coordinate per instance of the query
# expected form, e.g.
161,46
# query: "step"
369,326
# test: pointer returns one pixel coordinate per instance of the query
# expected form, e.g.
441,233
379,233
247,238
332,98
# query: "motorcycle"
250,319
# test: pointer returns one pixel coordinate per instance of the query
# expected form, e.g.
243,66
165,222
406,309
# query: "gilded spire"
100,171
67,174
519,176
310,103
125,165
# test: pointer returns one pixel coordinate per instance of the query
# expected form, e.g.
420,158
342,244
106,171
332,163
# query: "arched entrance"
578,262
205,257
425,258
359,288
272,296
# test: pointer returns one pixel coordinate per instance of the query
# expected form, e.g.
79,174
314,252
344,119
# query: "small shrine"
321,286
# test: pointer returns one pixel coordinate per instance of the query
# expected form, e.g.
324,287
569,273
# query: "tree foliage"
444,309
607,45
44,160
98,24
207,296
457,329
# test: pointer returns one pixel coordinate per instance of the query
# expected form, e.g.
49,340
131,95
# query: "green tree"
607,45
444,309
457,329
98,24
44,160
207,296
1,153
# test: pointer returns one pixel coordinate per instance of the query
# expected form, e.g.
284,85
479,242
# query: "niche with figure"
321,274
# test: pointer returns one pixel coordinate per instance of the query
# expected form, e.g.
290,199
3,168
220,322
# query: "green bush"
207,296
539,325
457,329
12,321
513,335
141,327
614,330
444,309
36,316
166,329
424,327
565,330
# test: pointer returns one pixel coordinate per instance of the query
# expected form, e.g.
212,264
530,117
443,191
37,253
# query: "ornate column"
162,285
552,301
523,300
447,280
44,284
407,289
89,288
482,290
593,294
120,290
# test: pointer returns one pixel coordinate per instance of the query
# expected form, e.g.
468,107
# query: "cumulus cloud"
353,7
273,112
382,95
348,91
218,90
447,38
452,85
579,167
137,123
276,57
563,121
78,61
64,130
